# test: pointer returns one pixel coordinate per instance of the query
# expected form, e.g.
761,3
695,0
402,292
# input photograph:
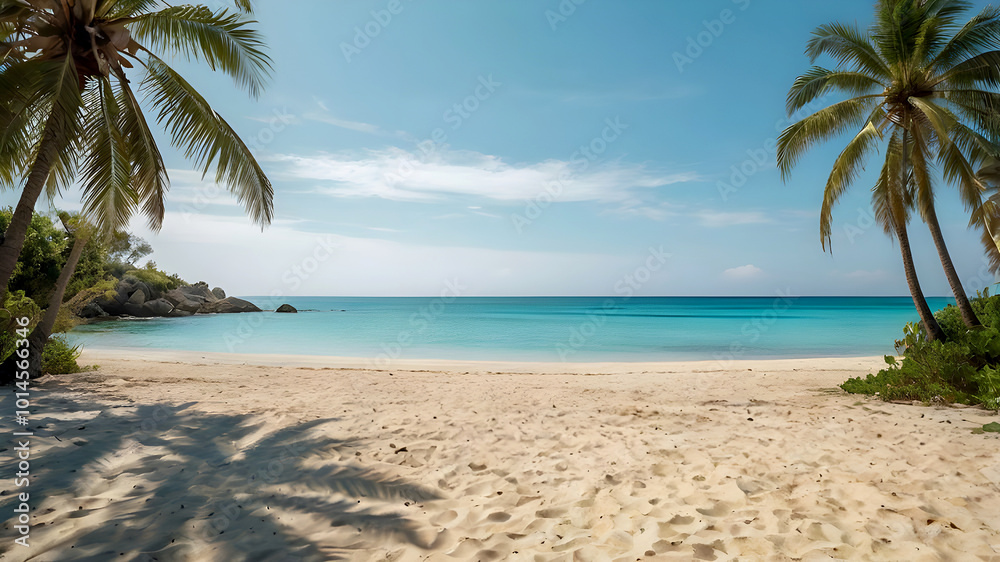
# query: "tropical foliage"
99,267
72,74
963,369
919,85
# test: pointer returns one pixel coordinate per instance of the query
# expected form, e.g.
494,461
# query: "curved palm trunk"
931,326
968,315
13,238
40,335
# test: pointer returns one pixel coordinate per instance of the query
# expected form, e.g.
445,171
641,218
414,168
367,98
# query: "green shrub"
964,369
59,357
156,279
17,306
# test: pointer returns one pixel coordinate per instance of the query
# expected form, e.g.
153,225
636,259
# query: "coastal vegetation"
920,86
72,74
101,262
964,368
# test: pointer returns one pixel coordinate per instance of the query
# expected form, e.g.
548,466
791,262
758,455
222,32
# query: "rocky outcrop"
228,305
133,297
286,308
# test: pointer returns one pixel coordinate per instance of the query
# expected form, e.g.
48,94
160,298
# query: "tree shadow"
170,482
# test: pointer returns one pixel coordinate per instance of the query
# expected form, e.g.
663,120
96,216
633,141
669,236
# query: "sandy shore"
211,457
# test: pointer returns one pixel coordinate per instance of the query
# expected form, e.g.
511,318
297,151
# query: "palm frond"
846,169
820,126
848,46
940,23
818,81
981,33
225,41
919,169
109,199
206,138
891,198
61,82
114,9
21,109
149,175
982,70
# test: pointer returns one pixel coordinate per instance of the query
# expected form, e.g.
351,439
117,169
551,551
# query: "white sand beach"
190,456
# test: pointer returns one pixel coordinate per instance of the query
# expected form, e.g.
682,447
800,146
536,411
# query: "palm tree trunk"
968,315
931,326
13,238
40,335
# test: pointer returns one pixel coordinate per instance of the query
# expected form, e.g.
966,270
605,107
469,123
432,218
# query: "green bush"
17,306
964,369
156,279
59,357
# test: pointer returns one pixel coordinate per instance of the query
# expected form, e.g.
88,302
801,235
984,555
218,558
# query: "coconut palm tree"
81,232
71,76
919,74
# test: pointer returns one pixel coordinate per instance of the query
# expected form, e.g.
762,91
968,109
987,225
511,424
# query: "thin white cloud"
718,219
228,251
748,271
328,118
639,209
398,174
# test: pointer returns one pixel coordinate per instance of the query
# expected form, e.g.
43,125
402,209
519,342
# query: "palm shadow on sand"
169,482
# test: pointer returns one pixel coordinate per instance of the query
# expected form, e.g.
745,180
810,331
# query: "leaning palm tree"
919,74
80,231
71,76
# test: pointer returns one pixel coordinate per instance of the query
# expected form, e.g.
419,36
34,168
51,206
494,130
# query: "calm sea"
534,329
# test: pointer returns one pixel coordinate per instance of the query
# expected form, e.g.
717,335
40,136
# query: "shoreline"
89,356
188,456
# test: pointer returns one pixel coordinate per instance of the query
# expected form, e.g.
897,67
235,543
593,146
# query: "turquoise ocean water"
533,329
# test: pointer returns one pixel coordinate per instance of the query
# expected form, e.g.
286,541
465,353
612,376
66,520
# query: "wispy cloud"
355,126
398,174
636,208
718,219
748,271
327,117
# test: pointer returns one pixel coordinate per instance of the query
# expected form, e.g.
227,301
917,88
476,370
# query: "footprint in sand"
444,518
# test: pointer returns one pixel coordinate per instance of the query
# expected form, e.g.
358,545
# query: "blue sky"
521,147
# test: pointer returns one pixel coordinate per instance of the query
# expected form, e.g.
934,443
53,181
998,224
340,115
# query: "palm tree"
928,80
66,100
81,232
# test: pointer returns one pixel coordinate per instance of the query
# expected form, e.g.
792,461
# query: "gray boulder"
152,309
133,297
160,307
184,302
128,291
228,305
286,308
138,297
199,291
92,310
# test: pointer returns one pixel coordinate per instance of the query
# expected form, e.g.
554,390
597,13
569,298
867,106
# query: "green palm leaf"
206,138
225,41
818,81
820,126
110,199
